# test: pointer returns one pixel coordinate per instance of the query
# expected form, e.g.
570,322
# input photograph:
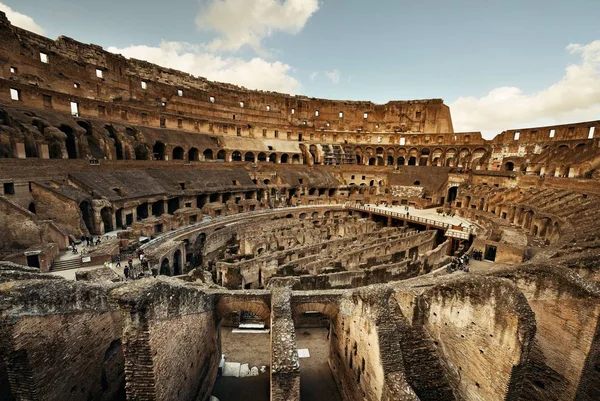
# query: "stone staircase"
65,264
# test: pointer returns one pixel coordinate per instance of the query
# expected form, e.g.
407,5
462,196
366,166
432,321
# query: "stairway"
67,264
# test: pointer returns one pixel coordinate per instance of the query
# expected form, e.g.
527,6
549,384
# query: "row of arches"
542,227
194,154
449,157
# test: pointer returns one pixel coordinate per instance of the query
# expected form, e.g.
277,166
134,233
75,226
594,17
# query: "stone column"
285,365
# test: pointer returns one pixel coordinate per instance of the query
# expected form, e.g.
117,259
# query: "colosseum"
166,237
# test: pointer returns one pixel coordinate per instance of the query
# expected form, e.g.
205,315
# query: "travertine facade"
255,201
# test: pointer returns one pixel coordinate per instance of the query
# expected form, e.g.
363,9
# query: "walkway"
428,214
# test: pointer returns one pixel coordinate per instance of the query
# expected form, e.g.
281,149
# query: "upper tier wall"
174,99
70,62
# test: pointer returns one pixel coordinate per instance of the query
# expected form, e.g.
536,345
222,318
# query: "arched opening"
177,263
165,269
107,219
31,149
284,158
379,161
296,159
358,159
31,207
401,161
509,166
112,133
86,215
412,161
273,158
54,151
178,153
70,141
194,155
221,156
372,161
452,192
141,152
236,156
159,151
249,157
262,157
390,160
93,144
112,378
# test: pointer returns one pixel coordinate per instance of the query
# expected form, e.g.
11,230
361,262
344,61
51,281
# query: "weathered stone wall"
567,312
61,340
482,329
170,340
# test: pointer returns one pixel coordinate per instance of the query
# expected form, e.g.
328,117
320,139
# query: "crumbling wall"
170,340
482,329
61,340
567,311
364,358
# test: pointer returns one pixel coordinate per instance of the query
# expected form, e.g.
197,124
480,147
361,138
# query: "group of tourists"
477,254
135,271
89,241
461,263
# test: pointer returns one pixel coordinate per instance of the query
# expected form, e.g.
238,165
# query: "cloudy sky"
498,64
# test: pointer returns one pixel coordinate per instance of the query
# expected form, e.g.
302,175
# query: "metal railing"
228,218
405,216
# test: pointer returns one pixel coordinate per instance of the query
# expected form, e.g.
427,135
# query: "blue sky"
499,64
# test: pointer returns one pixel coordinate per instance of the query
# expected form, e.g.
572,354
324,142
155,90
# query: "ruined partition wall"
170,340
480,329
60,340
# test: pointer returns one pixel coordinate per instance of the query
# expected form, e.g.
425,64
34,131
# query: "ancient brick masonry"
253,200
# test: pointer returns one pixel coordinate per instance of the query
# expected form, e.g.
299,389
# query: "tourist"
154,272
126,272
118,260
98,241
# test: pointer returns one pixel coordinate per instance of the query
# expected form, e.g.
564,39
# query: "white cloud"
313,75
21,20
334,76
248,22
576,97
256,73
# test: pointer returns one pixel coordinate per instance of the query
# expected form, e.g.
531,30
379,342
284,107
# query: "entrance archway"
159,151
452,192
70,141
165,269
107,220
177,263
86,215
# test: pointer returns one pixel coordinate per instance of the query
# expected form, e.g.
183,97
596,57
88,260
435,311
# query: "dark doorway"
178,153
33,261
158,208
159,151
106,214
177,262
490,253
70,142
165,270
452,192
86,215
142,211
32,207
119,217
